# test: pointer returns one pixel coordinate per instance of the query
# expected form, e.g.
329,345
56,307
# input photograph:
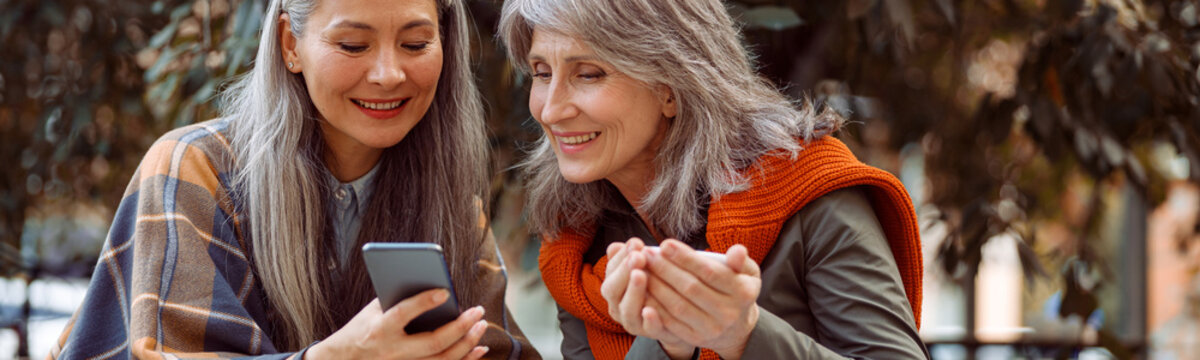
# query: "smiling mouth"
384,106
578,139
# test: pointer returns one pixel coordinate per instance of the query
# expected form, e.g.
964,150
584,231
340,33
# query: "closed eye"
592,76
352,48
416,46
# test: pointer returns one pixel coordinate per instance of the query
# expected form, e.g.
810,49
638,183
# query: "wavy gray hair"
425,189
728,115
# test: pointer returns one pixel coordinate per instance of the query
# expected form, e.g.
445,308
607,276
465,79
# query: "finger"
681,330
613,249
449,335
691,311
652,323
739,258
613,287
465,346
477,353
408,309
713,274
633,301
618,251
655,320
636,244
689,287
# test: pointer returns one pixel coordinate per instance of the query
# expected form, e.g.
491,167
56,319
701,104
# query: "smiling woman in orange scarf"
657,131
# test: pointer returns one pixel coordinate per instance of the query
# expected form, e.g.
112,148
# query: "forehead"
378,14
551,44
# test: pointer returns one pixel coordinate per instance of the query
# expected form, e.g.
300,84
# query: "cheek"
333,74
425,71
537,101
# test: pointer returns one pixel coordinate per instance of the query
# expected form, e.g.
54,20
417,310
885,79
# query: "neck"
348,159
633,183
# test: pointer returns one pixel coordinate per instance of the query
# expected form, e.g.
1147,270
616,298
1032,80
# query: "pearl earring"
290,65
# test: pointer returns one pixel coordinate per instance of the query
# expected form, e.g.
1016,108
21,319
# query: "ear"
287,44
669,103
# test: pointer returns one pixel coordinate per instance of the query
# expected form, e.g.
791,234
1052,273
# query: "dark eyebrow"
417,23
353,25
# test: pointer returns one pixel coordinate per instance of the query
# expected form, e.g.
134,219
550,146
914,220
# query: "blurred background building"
1052,148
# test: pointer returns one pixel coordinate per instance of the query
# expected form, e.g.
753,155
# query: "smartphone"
718,257
400,270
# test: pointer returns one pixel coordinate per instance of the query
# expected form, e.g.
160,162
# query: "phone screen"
400,270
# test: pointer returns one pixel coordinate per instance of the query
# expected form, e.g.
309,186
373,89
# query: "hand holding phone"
401,270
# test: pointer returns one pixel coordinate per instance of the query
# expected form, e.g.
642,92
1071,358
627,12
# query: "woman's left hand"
700,301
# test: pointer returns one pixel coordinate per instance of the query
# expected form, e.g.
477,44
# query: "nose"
386,71
558,103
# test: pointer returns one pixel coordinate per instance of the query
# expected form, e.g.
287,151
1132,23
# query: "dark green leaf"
163,36
771,18
155,71
180,11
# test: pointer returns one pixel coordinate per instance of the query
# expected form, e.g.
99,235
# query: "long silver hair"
728,115
425,190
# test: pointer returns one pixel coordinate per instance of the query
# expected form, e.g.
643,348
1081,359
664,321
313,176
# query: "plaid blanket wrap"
174,280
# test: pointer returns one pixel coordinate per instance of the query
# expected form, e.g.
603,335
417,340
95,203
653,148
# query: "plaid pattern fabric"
174,280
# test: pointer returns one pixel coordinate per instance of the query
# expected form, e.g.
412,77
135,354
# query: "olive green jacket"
831,288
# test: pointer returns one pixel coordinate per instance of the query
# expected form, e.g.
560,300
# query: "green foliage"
88,85
1014,103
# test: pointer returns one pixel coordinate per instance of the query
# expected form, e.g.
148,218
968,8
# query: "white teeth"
578,139
379,106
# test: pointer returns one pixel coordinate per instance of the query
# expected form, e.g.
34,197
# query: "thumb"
738,258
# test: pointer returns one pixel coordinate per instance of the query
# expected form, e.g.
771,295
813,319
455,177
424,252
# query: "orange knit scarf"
752,218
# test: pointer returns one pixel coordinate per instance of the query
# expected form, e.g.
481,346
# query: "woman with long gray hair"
658,131
359,122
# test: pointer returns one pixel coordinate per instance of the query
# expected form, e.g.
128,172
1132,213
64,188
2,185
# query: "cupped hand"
624,289
701,302
625,298
377,334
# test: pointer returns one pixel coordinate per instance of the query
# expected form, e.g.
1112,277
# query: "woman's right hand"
376,334
625,290
624,259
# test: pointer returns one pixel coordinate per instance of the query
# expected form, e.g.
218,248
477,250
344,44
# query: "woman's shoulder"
211,136
198,153
847,208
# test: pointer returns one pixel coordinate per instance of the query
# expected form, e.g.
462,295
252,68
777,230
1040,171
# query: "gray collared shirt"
348,207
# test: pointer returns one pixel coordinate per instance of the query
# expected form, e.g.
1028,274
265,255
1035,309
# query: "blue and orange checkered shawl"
174,280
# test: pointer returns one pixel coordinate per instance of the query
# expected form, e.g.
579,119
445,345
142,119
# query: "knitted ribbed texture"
779,187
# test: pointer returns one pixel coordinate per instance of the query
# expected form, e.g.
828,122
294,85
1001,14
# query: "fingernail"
484,348
478,310
478,328
440,296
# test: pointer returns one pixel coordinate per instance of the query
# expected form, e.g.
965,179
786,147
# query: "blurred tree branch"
1009,99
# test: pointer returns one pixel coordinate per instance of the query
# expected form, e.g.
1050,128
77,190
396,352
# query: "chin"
576,177
383,140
